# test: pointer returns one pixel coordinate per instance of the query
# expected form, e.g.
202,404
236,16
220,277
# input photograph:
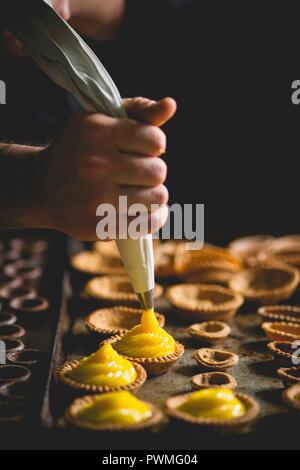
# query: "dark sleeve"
35,108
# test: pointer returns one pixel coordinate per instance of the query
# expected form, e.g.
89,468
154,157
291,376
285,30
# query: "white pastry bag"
69,61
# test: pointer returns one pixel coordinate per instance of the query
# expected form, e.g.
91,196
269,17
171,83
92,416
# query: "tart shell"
286,313
281,331
153,366
213,380
215,303
115,289
249,246
215,359
289,396
209,332
289,375
116,320
94,263
282,352
67,367
282,279
71,416
251,405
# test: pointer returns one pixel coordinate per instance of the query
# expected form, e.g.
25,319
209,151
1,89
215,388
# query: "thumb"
149,111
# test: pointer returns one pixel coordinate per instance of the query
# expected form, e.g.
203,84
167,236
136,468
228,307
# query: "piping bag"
69,61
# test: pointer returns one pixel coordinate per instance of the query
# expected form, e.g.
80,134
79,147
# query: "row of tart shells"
264,283
283,329
208,264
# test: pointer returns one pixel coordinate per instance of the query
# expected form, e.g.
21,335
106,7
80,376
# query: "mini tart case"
107,248
289,375
281,331
286,313
251,405
67,367
153,366
213,380
211,273
204,301
282,352
71,417
291,396
266,283
116,320
209,332
188,262
9,294
30,311
11,331
215,359
164,255
284,249
115,289
247,247
7,319
94,263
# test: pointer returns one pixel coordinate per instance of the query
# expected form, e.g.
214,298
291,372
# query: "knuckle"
97,124
162,195
158,139
159,171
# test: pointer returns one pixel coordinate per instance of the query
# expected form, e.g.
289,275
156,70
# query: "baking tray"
45,337
275,428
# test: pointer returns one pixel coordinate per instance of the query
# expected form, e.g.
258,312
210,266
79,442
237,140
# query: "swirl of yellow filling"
214,403
116,407
146,340
104,367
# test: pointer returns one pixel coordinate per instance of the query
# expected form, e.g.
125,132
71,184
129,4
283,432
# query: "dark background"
234,143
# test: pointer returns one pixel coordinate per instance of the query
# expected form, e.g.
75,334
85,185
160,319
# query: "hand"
99,158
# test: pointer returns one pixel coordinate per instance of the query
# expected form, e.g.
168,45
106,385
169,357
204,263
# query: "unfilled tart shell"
266,283
291,396
187,261
164,255
247,247
204,302
116,320
67,367
71,417
282,352
157,365
281,331
213,380
115,289
252,409
211,273
284,249
289,375
209,332
93,263
107,248
215,359
286,313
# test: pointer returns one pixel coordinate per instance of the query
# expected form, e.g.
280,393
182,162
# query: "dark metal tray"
255,374
65,337
44,336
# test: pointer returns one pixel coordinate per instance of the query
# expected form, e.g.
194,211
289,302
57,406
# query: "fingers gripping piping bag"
69,61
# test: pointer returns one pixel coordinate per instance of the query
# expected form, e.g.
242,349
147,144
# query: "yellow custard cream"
104,367
146,340
116,408
214,403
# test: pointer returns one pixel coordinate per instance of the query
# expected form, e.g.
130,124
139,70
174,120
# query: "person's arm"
95,160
